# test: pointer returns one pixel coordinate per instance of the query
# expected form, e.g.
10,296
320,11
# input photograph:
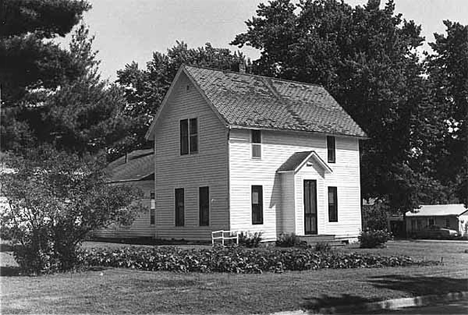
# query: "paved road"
457,307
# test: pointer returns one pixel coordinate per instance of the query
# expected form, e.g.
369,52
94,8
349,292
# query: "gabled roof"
298,159
438,210
258,102
137,165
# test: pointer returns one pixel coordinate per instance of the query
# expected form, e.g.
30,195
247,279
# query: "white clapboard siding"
141,227
277,147
209,167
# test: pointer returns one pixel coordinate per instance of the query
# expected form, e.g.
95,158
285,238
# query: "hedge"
235,259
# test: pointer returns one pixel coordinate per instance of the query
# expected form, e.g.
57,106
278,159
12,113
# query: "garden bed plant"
236,259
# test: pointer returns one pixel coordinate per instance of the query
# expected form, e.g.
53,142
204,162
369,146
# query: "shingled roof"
257,102
137,165
246,100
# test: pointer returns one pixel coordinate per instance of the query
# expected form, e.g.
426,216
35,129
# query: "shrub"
250,240
289,240
373,238
322,247
55,200
235,259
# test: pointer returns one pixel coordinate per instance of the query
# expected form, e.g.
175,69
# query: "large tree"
30,61
145,88
367,58
56,96
448,73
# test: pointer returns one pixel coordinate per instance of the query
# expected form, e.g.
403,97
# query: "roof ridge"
255,75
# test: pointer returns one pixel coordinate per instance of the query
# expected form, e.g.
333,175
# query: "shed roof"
257,102
298,159
135,166
438,210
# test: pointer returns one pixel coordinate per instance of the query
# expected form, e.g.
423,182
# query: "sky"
131,30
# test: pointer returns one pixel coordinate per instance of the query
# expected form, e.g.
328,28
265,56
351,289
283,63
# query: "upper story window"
188,136
331,149
256,144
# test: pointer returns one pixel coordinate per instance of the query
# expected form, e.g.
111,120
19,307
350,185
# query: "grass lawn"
132,291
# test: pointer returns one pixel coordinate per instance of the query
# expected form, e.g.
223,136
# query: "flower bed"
235,259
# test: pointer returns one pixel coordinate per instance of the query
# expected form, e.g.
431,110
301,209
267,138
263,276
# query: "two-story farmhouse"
242,152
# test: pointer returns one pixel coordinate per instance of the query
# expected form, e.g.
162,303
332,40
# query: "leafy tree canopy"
367,58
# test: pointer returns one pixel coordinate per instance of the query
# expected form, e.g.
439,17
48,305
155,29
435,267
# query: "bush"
250,240
55,200
322,247
289,240
235,259
373,238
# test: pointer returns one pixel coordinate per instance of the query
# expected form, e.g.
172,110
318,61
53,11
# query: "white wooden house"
236,151
136,169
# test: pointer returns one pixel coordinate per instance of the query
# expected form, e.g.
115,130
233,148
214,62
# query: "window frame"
256,140
179,215
257,208
188,136
331,149
152,209
332,206
204,206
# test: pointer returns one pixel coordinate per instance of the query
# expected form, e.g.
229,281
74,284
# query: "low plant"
234,259
250,240
373,238
289,240
322,247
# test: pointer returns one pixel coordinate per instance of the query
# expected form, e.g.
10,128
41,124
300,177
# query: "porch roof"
299,159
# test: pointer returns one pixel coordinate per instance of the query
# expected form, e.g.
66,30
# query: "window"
413,225
193,135
188,136
447,222
431,221
204,206
331,149
179,207
332,204
256,144
152,209
257,205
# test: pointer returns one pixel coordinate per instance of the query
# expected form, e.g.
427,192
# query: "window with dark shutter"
331,149
332,204
179,207
257,204
204,206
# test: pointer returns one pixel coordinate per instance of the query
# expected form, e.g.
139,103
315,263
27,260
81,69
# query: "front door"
310,206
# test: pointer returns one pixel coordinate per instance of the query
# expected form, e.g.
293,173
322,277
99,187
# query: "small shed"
451,216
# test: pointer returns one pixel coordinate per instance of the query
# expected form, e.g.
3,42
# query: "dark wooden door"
310,206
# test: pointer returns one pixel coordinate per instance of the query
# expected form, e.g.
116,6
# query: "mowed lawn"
119,291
